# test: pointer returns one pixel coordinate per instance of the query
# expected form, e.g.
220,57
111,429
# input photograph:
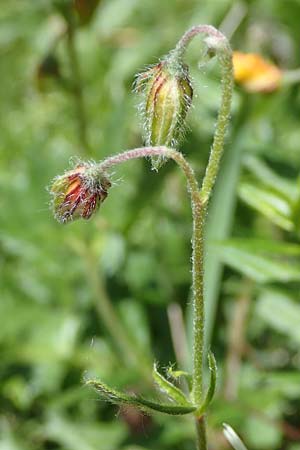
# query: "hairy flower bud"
166,97
78,193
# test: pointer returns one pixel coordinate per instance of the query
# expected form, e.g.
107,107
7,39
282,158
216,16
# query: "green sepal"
117,397
212,384
175,374
169,389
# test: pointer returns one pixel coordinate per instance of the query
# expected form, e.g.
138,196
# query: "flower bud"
78,193
256,74
166,97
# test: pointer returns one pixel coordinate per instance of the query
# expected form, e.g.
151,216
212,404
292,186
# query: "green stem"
197,253
107,311
77,87
201,432
217,42
225,60
162,151
144,152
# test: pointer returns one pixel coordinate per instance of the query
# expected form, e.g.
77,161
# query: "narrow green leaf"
268,247
269,178
272,204
296,214
261,260
117,397
280,312
233,438
169,389
212,384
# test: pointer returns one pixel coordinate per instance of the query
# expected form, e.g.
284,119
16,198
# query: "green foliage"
280,312
263,261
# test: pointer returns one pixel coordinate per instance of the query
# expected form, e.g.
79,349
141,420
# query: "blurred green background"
58,282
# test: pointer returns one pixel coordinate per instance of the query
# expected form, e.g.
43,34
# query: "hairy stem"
208,30
77,87
201,432
163,151
217,42
225,60
199,199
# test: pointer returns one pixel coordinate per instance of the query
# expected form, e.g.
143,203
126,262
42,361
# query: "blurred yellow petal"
256,74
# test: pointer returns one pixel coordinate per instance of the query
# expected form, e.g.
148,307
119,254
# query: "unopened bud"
78,193
166,97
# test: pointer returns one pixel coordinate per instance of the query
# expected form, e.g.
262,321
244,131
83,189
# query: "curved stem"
197,245
194,31
225,60
217,42
144,152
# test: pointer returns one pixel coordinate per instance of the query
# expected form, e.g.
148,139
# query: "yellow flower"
256,74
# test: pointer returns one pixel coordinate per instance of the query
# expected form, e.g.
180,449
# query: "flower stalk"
217,43
169,105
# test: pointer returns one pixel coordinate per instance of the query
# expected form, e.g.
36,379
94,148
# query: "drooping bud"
166,93
78,193
255,73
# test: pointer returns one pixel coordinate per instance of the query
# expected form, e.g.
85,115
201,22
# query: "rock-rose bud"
78,193
166,97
